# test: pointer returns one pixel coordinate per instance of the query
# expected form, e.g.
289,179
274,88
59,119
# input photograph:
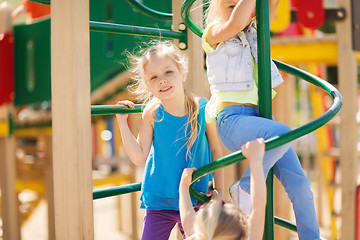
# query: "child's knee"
278,130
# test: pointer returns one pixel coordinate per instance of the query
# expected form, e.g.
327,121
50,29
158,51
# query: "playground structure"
83,180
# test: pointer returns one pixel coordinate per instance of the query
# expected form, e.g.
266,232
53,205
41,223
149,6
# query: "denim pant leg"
291,175
239,124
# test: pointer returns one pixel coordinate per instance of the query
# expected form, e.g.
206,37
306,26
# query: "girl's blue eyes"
167,73
232,6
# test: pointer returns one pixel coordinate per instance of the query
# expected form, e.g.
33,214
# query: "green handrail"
285,223
150,12
116,190
47,2
114,109
135,30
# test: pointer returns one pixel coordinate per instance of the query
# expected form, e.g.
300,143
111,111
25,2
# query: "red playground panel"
6,68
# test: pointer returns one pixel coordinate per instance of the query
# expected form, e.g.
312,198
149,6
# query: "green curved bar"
150,12
285,223
114,109
289,225
135,30
185,14
47,2
116,190
282,139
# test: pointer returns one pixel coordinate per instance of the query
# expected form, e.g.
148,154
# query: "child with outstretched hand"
218,220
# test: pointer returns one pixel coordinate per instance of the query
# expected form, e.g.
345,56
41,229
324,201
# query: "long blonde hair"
213,11
165,49
216,221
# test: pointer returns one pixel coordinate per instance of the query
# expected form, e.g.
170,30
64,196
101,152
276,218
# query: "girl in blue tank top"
173,136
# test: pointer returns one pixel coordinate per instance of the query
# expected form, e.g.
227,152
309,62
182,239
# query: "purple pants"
159,223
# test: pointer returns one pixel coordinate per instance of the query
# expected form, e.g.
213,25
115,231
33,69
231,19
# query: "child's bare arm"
254,151
137,149
216,153
187,212
240,17
272,10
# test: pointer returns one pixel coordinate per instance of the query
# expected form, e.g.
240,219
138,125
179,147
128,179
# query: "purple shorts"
159,223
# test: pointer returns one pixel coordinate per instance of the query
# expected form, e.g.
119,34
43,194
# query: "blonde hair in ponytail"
165,49
216,221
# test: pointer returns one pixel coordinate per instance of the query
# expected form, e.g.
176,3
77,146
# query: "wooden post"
9,205
283,112
9,201
49,186
70,80
347,73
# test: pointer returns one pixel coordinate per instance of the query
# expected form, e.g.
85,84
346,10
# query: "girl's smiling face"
163,77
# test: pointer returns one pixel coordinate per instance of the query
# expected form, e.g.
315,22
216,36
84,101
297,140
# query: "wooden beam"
70,80
347,71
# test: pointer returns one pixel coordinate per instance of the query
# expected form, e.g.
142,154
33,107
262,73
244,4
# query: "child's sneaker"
240,198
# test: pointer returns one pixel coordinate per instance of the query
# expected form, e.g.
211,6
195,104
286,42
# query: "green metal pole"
265,96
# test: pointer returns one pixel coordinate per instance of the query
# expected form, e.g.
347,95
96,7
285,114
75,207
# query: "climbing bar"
185,14
47,2
114,191
114,109
150,12
135,30
285,223
282,139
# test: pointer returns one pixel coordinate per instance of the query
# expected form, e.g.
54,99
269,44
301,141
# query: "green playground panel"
107,51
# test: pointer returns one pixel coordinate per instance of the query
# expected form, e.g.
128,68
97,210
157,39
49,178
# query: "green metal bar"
109,192
282,139
185,14
114,109
135,30
47,2
150,12
285,223
265,99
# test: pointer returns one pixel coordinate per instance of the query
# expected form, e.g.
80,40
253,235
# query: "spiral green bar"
270,143
150,12
185,14
285,223
135,30
114,109
282,139
116,190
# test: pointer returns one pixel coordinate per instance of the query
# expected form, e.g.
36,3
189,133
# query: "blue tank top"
167,160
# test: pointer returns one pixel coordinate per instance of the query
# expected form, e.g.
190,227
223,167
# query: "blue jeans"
239,124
